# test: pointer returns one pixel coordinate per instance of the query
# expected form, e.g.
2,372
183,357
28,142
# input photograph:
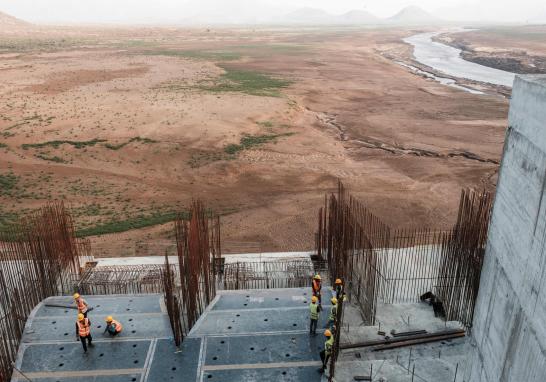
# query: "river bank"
519,49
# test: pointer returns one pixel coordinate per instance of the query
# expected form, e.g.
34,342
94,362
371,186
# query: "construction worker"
327,351
82,304
317,286
333,313
314,311
339,289
83,331
112,326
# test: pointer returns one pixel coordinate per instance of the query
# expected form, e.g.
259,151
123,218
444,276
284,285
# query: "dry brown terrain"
128,125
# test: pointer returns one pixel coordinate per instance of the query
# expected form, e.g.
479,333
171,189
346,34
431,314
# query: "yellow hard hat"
334,300
328,333
76,295
80,317
314,299
338,282
317,277
109,319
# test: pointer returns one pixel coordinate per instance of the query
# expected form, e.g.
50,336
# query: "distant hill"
7,21
308,16
358,17
412,15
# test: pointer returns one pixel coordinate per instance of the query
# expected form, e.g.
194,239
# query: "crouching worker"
83,331
325,354
112,326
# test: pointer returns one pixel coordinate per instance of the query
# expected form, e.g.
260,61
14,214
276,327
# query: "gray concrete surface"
509,329
443,361
259,335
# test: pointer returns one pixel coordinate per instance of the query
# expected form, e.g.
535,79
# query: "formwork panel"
282,374
263,349
71,357
171,365
64,328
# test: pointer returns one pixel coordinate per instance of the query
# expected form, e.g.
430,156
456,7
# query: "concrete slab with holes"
242,336
260,335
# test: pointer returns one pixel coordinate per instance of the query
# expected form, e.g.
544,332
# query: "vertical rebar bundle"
38,258
350,236
397,266
198,249
172,303
463,252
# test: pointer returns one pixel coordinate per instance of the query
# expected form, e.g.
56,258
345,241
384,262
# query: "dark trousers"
313,327
324,358
113,333
89,339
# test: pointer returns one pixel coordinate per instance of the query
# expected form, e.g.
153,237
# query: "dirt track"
403,144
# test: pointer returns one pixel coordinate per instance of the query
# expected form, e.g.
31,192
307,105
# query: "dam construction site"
391,304
258,190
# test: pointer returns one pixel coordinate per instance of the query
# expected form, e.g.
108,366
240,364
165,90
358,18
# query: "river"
448,60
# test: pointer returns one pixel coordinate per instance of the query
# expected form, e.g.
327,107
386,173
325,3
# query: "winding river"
448,60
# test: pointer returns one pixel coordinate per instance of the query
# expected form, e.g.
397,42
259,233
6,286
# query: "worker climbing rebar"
327,351
333,314
339,289
83,331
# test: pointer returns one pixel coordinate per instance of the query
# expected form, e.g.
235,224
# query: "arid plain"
128,125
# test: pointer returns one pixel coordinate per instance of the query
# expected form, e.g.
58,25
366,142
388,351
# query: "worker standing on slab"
314,312
112,326
339,289
82,304
333,314
83,331
317,286
327,351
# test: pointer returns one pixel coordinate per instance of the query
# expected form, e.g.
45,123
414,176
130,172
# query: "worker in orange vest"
113,327
83,331
81,304
317,286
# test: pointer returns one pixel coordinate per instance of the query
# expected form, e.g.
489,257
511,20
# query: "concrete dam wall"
509,331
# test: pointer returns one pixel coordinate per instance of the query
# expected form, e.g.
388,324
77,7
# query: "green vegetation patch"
204,158
54,158
57,144
42,44
116,226
248,82
250,141
207,55
3,145
8,183
135,139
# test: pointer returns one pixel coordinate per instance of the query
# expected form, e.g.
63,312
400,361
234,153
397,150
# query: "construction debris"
405,341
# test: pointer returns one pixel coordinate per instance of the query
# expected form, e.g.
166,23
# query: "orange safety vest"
84,329
316,287
82,307
118,326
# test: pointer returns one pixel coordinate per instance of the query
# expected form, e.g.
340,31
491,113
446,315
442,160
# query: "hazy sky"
106,11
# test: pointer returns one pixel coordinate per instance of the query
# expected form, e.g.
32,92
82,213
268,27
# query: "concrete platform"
49,350
261,335
258,335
